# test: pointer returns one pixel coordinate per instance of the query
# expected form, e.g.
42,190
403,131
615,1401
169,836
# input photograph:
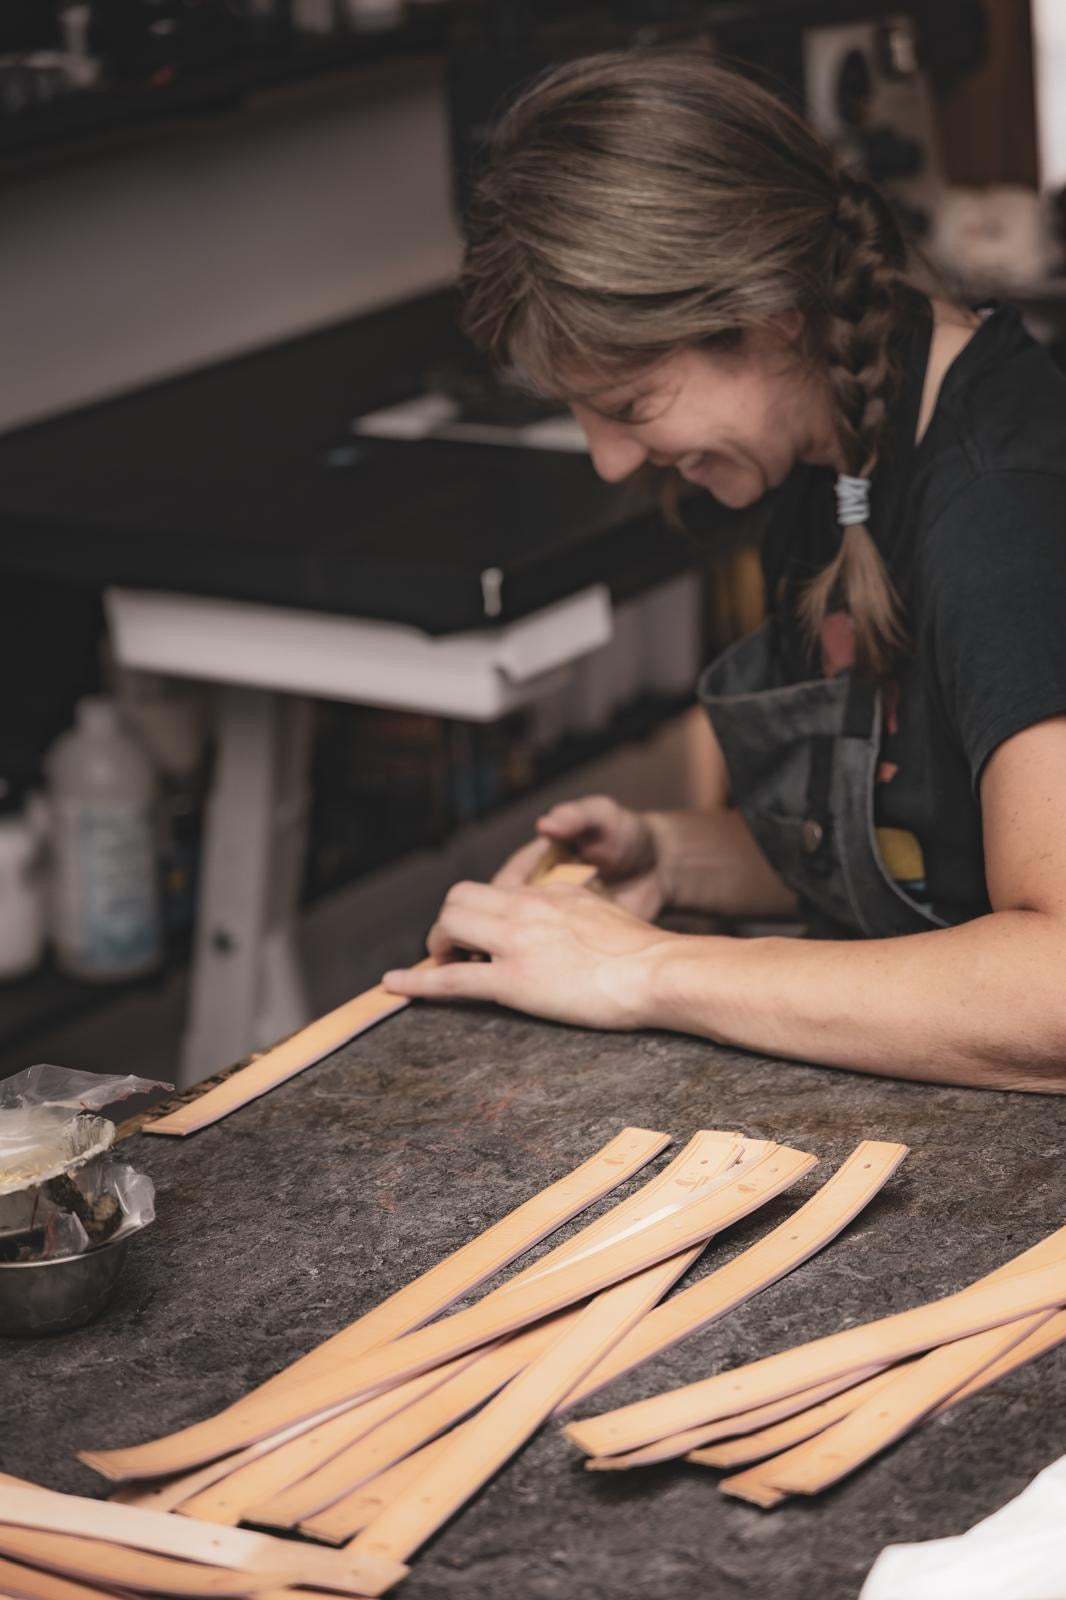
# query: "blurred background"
303,617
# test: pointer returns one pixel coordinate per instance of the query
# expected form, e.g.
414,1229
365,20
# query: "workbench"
280,1225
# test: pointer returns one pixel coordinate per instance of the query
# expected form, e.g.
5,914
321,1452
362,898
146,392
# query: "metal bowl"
53,1296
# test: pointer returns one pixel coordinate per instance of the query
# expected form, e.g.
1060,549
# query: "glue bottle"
105,890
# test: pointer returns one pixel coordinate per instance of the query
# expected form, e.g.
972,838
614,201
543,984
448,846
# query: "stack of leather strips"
377,1437
799,1421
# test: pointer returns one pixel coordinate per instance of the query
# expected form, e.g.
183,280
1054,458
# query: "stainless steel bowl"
53,1296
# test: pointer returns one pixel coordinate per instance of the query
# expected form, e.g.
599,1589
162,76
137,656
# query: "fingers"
595,813
454,980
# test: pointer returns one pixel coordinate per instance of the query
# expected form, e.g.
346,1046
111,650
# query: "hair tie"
853,500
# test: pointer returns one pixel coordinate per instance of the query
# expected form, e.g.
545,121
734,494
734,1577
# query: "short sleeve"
992,578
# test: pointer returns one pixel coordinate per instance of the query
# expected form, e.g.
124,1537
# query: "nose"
614,451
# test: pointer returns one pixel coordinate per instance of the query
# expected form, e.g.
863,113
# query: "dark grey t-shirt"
972,524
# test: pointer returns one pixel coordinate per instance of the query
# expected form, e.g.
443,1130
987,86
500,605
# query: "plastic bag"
61,1190
46,1085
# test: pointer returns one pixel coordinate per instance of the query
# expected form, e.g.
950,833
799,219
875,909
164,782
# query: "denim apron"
802,761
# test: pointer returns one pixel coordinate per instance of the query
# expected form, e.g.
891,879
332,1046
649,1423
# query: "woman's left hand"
556,951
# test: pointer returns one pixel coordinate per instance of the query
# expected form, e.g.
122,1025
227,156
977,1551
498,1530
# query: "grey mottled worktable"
281,1224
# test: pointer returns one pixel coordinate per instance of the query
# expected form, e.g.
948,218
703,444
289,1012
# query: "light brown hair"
635,204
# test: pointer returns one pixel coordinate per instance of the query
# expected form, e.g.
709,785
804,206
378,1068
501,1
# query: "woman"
672,251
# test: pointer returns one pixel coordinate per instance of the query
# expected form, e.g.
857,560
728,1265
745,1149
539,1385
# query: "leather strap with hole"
357,1510
426,1296
748,1447
807,1231
257,1484
117,1567
912,1392
30,1583
747,1422
231,1548
872,1344
507,1421
503,1311
708,1157
504,1425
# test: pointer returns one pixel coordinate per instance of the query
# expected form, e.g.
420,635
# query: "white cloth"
1018,1553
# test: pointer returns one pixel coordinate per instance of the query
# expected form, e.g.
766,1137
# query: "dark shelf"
90,113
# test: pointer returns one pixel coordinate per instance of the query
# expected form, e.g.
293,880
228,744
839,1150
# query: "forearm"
983,1004
709,861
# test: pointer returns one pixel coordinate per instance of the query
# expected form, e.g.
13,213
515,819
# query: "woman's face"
734,422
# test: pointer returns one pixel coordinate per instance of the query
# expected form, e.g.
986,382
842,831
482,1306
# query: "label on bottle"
107,899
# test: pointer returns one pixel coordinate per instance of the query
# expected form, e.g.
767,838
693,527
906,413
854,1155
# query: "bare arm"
982,1004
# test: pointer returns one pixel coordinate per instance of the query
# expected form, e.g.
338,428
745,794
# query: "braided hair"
639,203
855,338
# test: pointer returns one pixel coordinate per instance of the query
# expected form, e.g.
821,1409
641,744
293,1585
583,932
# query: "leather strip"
277,1065
1046,1338
230,1548
746,1423
505,1424
119,1567
357,1510
839,1200
427,1295
231,1495
738,1452
872,1344
30,1583
501,1312
707,1157
414,1426
866,1429
912,1393
254,1487
319,1039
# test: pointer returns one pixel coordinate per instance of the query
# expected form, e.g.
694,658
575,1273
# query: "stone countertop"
299,1212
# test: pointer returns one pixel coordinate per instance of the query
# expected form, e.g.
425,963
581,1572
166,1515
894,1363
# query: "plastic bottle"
105,889
21,887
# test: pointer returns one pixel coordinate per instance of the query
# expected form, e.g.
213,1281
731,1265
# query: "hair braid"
863,306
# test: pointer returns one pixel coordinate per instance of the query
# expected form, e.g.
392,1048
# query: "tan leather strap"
257,1484
503,1311
319,1039
870,1345
357,1510
504,1425
427,1295
160,1534
30,1583
276,1066
807,1231
412,1427
118,1567
708,1157
228,1498
748,1422
911,1394
1045,1338
738,1452
751,1486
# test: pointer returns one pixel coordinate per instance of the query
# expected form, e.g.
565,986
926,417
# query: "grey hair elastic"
853,500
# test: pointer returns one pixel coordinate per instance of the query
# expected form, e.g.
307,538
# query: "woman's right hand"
619,843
